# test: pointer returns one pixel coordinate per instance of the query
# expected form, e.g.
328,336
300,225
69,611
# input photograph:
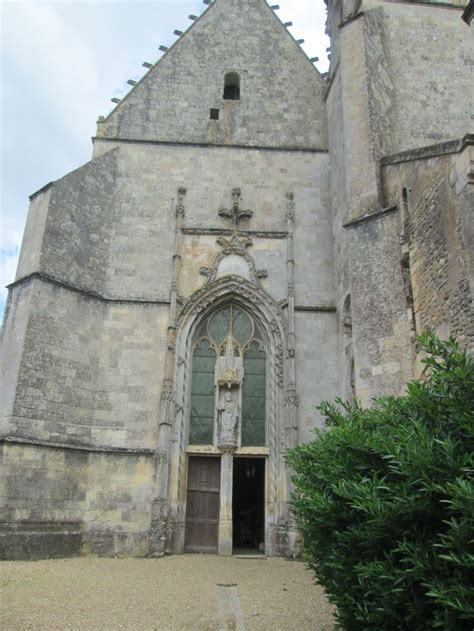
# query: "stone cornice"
427,3
175,143
220,232
43,189
36,442
46,278
316,309
430,151
374,214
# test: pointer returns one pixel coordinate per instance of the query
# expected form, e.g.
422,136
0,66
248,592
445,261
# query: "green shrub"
384,498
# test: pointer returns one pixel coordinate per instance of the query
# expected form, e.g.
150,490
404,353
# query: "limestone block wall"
90,372
380,315
429,98
440,238
142,240
56,502
68,227
132,363
12,337
386,95
57,388
395,95
361,167
172,102
340,215
317,366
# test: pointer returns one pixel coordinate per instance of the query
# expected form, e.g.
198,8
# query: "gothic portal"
228,420
249,239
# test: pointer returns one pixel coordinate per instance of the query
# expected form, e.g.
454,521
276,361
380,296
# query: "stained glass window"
242,328
254,397
246,341
202,395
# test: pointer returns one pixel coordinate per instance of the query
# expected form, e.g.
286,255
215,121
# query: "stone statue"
228,414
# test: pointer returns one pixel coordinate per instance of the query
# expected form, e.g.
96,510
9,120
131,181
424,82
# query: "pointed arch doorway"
232,408
228,416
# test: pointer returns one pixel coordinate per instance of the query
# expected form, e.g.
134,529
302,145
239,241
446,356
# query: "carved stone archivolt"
252,298
233,279
253,294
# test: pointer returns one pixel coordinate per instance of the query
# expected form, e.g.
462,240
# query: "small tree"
384,498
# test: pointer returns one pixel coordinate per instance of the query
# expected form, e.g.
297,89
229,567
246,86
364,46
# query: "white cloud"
50,62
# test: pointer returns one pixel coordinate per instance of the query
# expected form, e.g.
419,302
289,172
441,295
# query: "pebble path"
202,592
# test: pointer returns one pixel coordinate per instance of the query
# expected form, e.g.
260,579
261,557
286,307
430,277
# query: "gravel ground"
179,592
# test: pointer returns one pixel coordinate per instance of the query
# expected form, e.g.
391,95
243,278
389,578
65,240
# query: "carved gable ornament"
233,259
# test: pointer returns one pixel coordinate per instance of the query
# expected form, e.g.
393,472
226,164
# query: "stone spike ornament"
236,213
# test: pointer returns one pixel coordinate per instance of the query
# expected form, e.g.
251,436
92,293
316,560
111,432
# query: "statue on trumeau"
228,416
228,378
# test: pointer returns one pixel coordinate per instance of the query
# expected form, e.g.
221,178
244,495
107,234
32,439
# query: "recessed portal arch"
228,380
266,333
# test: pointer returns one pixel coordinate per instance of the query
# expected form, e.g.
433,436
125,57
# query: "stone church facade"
248,239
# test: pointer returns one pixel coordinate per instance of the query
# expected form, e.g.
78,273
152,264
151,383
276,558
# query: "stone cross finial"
236,214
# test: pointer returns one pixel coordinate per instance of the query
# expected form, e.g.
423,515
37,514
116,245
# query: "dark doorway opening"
248,503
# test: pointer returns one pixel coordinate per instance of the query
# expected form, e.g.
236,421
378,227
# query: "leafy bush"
384,499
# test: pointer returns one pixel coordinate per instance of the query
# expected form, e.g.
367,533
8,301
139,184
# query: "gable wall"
281,101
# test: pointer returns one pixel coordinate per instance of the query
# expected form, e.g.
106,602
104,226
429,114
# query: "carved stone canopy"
229,368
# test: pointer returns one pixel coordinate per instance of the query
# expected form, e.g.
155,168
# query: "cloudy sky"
62,62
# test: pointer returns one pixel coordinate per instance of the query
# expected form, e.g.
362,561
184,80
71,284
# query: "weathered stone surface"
71,501
300,211
173,101
387,94
439,207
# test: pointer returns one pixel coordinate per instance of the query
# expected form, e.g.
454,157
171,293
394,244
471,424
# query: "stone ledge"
43,189
37,526
258,234
430,151
32,541
374,214
46,278
430,3
206,145
36,442
316,309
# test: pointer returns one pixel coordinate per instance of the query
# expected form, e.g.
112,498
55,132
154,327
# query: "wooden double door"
203,504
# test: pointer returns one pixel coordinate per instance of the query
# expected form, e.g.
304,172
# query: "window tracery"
228,390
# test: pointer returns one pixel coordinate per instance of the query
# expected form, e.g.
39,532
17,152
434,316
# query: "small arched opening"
232,87
348,350
347,317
